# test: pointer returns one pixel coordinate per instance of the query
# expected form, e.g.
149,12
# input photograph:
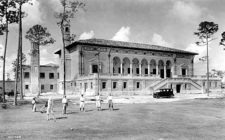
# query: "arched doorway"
116,65
135,70
168,69
126,66
153,67
144,67
161,68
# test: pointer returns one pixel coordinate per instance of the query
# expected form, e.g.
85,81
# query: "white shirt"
82,99
97,98
64,101
109,97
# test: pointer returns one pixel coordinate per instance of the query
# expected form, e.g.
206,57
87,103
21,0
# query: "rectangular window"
27,87
137,70
94,68
26,75
91,85
203,84
124,85
154,71
42,75
118,70
58,75
128,70
51,75
146,71
51,87
183,71
75,84
103,85
215,84
138,84
114,85
42,87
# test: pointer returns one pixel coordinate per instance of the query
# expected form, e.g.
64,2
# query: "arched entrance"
116,65
126,66
168,69
136,70
161,69
144,67
152,66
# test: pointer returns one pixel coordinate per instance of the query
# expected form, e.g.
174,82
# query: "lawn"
187,119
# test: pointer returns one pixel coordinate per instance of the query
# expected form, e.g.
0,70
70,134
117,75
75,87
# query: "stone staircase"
160,84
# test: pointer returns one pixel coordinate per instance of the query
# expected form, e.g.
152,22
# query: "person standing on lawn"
34,104
82,102
110,102
98,102
50,108
65,104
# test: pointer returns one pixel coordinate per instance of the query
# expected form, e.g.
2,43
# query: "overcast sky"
162,22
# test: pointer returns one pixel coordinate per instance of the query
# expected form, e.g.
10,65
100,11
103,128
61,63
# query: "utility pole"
98,70
109,55
207,59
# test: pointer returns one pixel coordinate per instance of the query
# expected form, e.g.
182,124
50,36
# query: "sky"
169,23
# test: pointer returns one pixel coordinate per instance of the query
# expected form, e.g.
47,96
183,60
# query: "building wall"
47,84
9,86
183,61
75,62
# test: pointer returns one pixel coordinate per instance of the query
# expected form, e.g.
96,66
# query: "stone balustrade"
119,76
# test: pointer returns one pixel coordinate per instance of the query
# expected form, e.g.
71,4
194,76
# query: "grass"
189,119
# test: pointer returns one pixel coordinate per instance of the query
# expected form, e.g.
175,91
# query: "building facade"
106,66
97,66
47,77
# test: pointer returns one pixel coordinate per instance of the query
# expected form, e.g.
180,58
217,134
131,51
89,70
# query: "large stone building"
124,68
129,68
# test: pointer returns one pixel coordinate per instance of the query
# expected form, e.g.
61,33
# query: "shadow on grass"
59,118
72,113
88,110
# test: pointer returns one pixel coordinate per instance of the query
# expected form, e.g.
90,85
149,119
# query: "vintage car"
164,93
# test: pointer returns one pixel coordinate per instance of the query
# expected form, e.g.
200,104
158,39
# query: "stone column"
149,70
157,69
121,68
164,71
131,69
90,69
140,69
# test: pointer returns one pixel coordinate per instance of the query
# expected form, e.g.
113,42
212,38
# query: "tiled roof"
121,44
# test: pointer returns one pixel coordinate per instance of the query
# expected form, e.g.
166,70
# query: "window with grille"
138,84
124,85
42,75
51,75
26,75
51,87
103,85
26,86
114,85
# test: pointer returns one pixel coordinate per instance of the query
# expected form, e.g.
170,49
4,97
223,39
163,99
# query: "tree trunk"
4,58
16,80
21,51
63,53
39,89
